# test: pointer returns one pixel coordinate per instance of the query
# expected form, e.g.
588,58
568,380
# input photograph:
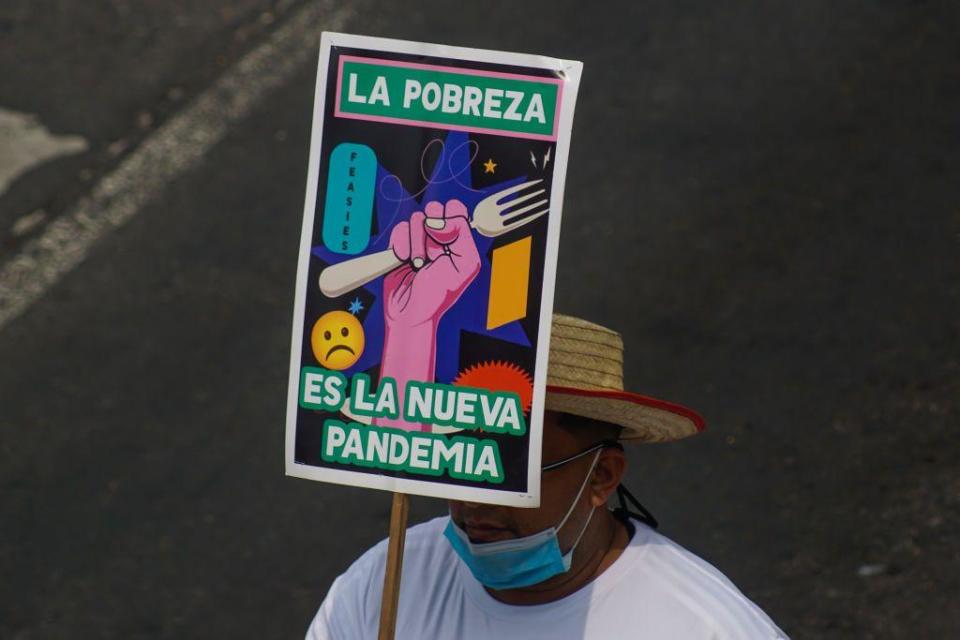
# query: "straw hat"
585,378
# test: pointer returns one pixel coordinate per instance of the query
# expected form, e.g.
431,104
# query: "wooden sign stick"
391,578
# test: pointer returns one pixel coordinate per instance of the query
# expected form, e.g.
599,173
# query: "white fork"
491,218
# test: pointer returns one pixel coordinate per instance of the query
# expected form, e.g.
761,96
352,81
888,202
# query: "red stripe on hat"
635,398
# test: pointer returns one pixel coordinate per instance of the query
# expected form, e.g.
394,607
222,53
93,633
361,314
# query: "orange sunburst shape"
498,376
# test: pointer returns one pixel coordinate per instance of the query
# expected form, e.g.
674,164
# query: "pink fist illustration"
440,260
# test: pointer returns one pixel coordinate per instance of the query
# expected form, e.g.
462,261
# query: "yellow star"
489,166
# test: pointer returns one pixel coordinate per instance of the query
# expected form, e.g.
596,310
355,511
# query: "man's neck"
602,543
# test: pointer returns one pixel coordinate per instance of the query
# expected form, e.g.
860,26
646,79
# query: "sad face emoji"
337,340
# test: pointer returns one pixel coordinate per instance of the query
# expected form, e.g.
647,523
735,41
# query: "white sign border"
571,71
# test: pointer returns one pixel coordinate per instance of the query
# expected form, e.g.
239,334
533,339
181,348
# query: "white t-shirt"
656,589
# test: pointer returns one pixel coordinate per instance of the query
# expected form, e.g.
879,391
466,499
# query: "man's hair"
589,427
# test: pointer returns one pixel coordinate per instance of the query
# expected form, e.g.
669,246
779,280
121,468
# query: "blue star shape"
449,179
356,306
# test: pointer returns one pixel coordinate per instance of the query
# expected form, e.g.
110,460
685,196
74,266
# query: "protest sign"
426,268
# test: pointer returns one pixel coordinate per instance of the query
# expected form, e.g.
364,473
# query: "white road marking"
26,143
26,224
169,152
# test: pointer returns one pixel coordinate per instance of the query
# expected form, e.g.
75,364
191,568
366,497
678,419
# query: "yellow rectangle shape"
509,283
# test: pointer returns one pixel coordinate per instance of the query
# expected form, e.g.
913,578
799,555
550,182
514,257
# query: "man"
570,568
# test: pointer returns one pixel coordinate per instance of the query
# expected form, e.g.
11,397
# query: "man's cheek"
455,509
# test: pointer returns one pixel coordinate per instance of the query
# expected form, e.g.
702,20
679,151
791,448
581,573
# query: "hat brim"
643,418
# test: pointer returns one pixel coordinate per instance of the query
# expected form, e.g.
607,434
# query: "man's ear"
607,475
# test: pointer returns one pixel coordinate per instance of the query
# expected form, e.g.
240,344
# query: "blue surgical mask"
518,562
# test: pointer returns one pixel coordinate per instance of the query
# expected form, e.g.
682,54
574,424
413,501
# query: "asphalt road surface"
763,197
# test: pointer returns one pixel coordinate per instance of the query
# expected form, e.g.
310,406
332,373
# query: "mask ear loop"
624,512
576,500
